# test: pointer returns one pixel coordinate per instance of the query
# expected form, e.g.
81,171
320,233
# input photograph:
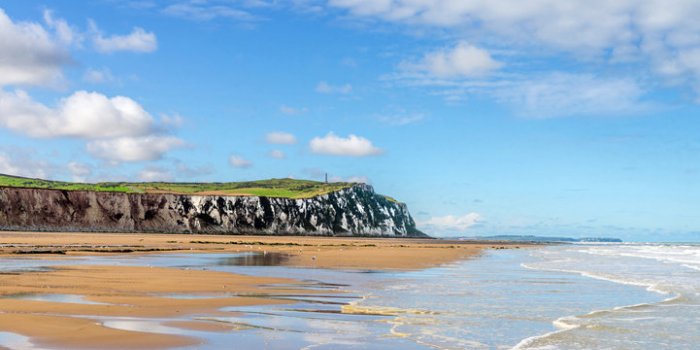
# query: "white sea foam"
652,287
660,268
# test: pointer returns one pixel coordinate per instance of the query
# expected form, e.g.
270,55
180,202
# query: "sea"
569,296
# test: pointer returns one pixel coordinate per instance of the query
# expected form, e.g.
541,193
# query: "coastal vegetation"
282,188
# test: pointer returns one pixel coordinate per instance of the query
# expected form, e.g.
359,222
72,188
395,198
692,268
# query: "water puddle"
255,259
139,325
54,298
15,341
311,318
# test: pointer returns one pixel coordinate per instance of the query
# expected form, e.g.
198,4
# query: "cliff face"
356,210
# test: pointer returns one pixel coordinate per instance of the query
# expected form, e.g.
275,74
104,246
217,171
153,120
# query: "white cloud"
154,174
29,54
659,35
451,223
325,88
238,161
461,61
277,154
578,23
79,171
133,149
138,40
352,145
23,165
98,76
83,114
34,54
202,11
64,32
293,110
558,95
553,94
280,138
119,129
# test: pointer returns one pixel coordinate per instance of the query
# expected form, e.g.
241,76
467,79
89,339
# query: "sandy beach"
144,291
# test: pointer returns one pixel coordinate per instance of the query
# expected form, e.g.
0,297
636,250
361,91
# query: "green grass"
391,199
284,188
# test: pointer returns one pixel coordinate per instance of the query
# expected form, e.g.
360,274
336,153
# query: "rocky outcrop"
354,211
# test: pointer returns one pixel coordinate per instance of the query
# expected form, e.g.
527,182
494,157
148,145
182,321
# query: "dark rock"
354,211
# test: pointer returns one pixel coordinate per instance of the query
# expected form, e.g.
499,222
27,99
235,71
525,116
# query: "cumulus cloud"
238,161
139,40
463,60
21,164
29,54
133,149
661,35
32,53
576,25
451,223
83,114
280,138
353,145
118,128
277,154
325,88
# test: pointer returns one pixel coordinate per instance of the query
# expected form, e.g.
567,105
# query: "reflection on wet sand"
255,259
54,298
211,293
116,306
182,305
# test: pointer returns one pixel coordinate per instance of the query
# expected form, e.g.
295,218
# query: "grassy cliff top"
284,188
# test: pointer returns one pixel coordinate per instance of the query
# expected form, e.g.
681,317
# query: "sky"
543,117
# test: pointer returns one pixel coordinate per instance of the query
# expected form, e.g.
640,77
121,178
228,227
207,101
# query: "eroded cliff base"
353,211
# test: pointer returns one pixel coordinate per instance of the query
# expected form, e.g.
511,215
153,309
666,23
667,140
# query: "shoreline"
147,291
377,253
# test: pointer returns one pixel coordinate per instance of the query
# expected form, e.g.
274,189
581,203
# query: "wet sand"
322,252
142,291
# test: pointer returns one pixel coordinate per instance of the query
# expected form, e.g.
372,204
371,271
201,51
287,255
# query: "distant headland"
543,239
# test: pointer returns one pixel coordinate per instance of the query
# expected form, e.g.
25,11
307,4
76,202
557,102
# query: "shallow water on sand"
54,298
670,321
528,299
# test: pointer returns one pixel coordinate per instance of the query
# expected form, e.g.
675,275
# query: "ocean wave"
668,270
652,287
570,323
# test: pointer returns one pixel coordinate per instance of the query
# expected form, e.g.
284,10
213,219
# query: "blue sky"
485,117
